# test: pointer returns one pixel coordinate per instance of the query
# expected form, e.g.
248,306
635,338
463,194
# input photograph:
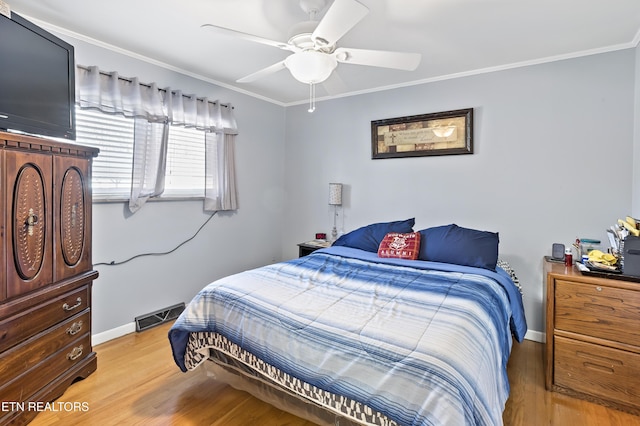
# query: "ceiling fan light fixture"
310,67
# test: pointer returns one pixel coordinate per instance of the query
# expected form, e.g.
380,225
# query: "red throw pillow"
402,246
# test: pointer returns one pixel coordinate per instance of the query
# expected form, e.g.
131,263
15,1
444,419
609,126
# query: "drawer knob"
75,353
75,328
68,307
598,288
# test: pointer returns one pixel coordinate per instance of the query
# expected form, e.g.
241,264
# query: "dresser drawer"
24,356
599,311
20,327
611,374
27,384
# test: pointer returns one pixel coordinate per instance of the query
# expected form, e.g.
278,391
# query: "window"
113,134
185,174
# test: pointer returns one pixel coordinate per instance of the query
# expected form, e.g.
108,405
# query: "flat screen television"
37,80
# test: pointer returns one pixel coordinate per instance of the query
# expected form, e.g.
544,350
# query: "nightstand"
311,246
593,339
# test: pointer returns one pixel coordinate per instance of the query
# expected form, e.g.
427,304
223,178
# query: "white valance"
189,111
154,110
113,94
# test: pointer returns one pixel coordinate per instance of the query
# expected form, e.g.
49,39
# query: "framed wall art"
439,133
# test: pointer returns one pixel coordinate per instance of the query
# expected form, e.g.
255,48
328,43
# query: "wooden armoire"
46,272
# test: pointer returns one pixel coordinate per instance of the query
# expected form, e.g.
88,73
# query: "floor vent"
152,319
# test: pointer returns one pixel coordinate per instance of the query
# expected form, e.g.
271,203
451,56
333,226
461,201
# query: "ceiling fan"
313,43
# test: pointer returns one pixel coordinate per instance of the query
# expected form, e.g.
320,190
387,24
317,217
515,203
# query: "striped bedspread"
424,343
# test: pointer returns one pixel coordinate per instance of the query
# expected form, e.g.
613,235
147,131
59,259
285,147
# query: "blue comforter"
424,343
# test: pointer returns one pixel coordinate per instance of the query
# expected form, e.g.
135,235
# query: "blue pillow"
461,246
369,237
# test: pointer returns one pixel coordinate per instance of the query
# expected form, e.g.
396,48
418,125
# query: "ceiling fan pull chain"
312,97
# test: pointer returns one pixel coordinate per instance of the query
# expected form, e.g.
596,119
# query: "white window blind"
113,134
185,163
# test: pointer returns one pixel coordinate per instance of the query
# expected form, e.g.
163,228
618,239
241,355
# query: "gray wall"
229,243
554,156
552,161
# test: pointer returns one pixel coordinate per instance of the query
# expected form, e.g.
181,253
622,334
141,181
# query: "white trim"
479,71
536,336
636,39
629,45
95,42
114,333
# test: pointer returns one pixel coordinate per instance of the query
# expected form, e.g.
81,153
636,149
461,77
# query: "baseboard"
536,336
114,333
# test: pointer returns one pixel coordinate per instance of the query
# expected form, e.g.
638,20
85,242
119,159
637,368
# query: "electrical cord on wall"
114,263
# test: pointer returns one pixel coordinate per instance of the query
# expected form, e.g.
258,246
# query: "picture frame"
439,133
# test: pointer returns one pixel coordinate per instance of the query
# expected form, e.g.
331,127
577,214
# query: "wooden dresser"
593,337
46,273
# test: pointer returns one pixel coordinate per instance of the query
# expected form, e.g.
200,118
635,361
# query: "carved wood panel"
28,221
28,201
72,216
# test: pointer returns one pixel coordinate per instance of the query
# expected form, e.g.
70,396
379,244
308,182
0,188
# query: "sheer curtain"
220,187
154,110
150,141
221,129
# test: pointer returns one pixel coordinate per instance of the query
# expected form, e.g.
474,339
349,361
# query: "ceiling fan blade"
249,37
378,58
339,19
262,73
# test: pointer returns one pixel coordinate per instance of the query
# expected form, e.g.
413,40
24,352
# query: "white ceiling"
455,37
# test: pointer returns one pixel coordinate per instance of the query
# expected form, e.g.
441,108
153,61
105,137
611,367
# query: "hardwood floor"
137,383
530,404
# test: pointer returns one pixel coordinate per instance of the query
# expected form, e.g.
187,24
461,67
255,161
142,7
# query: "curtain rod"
148,85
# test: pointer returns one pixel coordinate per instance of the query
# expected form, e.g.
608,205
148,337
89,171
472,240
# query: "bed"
348,335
